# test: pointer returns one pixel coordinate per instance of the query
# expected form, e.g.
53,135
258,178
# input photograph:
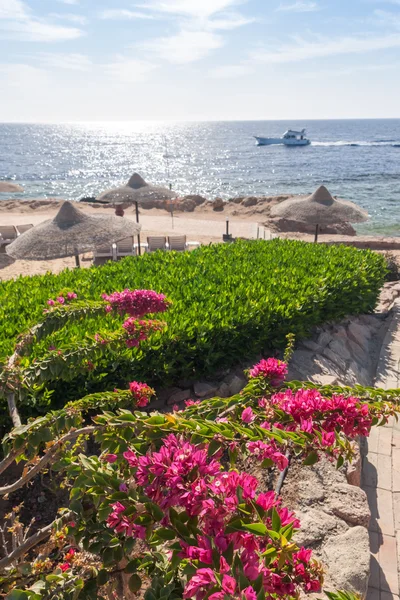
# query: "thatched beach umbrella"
11,188
70,233
136,190
321,208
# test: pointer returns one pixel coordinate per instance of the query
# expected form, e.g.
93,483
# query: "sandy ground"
204,226
197,227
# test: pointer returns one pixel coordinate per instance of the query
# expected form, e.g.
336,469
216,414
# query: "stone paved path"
381,479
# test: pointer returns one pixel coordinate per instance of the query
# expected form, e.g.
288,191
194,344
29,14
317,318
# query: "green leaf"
135,583
276,521
311,459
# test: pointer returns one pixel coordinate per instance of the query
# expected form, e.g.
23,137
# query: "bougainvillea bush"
163,506
231,302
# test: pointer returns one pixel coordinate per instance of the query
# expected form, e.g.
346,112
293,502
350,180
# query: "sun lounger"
177,242
125,247
8,233
155,242
103,255
22,228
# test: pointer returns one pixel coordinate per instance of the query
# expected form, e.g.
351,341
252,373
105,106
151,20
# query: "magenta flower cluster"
62,299
136,303
272,369
311,411
141,392
138,330
181,476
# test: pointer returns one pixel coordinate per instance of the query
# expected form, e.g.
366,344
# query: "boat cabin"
290,134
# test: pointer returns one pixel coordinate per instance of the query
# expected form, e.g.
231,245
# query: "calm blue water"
357,160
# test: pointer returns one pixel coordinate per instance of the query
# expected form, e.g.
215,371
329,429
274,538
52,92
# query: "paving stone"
396,469
381,507
373,594
396,510
372,440
385,441
388,562
385,472
374,543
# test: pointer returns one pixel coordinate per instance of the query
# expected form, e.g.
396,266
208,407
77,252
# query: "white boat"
289,138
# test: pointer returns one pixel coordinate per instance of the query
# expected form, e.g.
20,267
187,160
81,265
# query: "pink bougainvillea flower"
328,438
141,392
137,303
228,584
50,302
202,579
248,415
110,458
60,299
71,296
65,566
249,593
131,458
271,368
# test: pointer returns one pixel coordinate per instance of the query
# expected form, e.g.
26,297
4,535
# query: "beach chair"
156,242
8,233
177,242
22,228
125,247
103,255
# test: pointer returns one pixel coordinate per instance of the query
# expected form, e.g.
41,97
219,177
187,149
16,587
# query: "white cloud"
71,2
200,9
227,21
13,9
185,47
230,71
22,76
34,30
304,50
299,6
121,13
71,62
18,23
72,18
126,70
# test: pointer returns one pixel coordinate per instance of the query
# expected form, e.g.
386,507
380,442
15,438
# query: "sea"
358,160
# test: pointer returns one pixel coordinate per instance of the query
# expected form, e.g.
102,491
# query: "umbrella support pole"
77,263
138,235
316,233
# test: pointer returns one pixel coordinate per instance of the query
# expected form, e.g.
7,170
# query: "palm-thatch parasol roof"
320,209
8,187
136,190
70,233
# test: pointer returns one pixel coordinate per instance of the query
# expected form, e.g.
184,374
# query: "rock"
218,204
293,374
324,379
287,225
359,334
349,503
7,186
336,359
223,391
324,338
166,393
250,201
311,345
157,404
236,200
195,198
317,525
235,383
338,346
178,397
357,353
302,361
203,389
326,366
185,205
354,469
348,558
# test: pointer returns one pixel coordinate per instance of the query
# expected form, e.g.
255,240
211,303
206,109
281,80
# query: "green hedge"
230,303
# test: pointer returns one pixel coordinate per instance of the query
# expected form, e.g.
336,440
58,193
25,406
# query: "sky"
118,60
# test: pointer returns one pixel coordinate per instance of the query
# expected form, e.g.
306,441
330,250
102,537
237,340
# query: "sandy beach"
204,225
